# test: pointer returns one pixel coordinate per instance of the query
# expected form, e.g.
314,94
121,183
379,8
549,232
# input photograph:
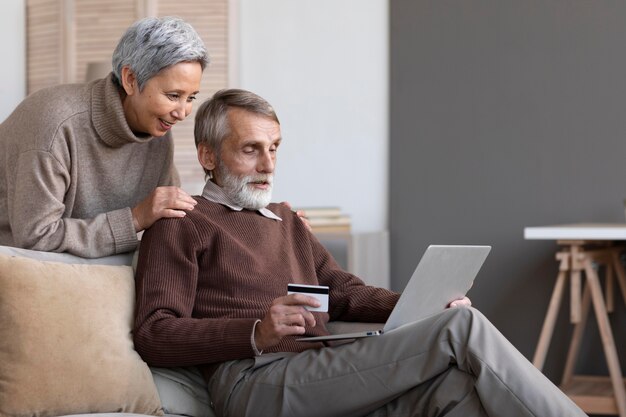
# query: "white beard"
240,191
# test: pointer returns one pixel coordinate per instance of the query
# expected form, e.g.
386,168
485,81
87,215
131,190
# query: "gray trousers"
452,364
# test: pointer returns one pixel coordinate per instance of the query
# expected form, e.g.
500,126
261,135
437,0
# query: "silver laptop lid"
445,273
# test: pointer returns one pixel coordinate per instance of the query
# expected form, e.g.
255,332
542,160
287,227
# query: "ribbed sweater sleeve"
169,330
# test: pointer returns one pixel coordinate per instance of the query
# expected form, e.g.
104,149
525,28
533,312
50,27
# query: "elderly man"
212,287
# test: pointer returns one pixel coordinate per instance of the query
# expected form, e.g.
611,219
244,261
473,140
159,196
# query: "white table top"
578,231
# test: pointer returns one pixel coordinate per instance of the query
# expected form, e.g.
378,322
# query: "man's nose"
266,162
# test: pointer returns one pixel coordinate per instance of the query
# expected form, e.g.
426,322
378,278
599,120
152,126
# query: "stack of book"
326,219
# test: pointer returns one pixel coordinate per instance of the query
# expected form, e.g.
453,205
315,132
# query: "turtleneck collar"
107,115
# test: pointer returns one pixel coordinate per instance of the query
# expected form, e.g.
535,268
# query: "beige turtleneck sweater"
71,169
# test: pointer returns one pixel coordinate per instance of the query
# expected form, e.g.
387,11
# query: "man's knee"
465,313
461,317
458,324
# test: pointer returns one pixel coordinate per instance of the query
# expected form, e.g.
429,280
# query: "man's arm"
166,331
350,298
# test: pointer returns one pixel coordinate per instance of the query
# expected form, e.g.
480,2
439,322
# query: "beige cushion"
65,340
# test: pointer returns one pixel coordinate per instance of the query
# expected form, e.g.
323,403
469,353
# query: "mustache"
261,178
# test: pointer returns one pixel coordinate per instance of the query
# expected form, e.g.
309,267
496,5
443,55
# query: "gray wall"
506,114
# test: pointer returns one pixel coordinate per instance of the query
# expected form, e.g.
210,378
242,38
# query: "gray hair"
211,123
152,44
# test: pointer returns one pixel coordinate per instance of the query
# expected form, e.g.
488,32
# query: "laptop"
445,273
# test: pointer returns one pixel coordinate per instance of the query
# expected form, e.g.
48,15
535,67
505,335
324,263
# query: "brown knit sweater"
203,280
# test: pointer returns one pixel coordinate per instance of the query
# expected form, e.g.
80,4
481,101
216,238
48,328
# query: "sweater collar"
107,115
216,194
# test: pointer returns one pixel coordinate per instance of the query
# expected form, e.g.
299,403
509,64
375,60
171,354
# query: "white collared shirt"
216,194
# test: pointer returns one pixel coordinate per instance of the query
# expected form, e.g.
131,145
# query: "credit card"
318,291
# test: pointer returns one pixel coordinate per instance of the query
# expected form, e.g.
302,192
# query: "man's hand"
287,316
300,214
162,202
461,302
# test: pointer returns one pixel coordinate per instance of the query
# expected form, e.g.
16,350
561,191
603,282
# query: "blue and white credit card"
318,291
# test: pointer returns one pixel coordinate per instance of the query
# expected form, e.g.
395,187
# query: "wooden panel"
99,26
43,44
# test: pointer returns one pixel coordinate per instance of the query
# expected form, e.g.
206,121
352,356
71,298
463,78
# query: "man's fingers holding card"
290,314
293,310
298,319
308,302
287,316
317,292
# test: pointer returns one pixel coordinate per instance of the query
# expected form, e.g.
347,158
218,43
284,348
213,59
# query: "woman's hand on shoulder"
300,214
162,202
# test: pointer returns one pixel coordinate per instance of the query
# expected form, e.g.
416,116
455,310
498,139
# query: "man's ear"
207,157
129,81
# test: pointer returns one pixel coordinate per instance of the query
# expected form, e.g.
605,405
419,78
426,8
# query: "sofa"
66,343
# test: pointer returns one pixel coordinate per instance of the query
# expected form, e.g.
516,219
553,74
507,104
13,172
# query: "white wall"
323,64
13,68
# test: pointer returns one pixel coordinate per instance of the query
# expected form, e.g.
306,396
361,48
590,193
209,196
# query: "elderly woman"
85,167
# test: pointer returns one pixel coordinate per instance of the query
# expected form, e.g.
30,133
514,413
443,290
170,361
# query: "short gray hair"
211,122
153,43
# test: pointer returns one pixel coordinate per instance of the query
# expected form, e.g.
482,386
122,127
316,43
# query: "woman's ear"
129,81
207,157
